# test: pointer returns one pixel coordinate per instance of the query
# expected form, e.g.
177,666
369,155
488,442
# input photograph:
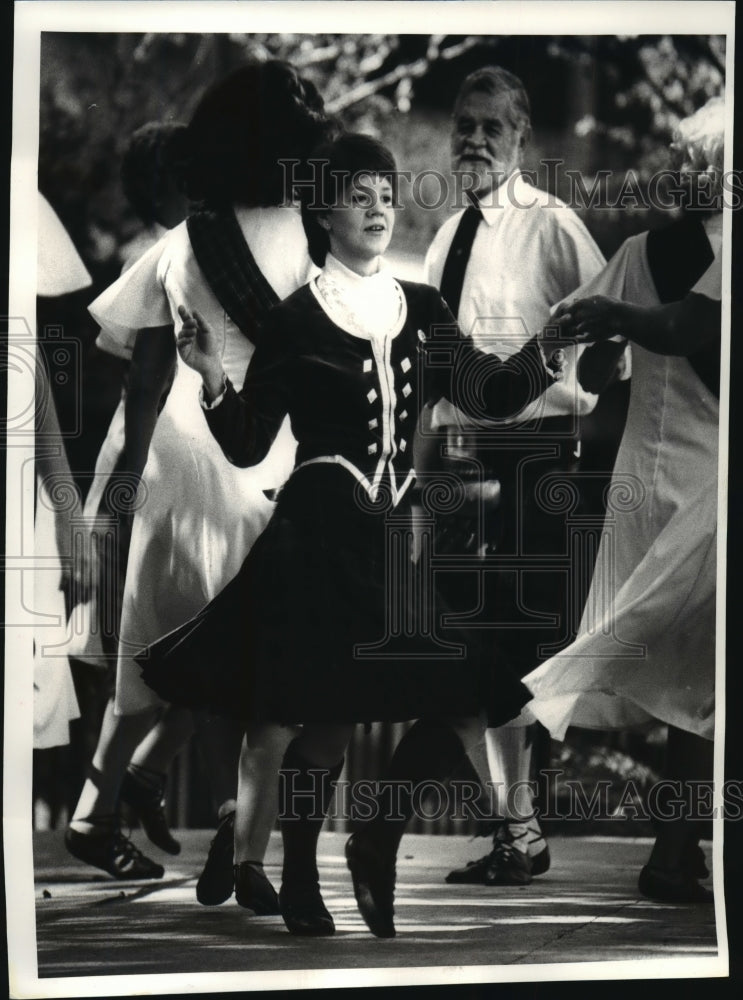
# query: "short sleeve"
710,284
136,301
574,257
60,269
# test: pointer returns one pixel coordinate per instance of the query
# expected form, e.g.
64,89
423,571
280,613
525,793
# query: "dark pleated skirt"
329,620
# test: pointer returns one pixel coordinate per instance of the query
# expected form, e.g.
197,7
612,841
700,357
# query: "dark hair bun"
244,126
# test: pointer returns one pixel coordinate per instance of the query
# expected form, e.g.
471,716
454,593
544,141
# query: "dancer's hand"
596,318
79,565
201,349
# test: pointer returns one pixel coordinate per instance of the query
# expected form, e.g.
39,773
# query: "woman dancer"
153,183
351,357
198,515
645,648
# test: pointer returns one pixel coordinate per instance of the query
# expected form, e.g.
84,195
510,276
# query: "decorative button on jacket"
350,396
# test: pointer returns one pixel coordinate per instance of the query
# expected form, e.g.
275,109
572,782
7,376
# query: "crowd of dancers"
287,400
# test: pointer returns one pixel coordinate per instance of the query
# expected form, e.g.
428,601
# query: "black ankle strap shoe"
112,852
373,885
148,803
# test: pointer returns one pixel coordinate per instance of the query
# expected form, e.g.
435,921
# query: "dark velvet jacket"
356,404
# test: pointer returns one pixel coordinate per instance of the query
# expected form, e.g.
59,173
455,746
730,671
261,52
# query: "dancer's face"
360,229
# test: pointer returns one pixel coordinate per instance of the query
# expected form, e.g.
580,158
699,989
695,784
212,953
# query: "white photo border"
564,18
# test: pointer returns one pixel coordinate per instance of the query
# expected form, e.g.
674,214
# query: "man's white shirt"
529,252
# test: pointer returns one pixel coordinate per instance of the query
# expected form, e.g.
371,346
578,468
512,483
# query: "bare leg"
93,835
164,740
119,737
323,745
509,752
257,792
143,787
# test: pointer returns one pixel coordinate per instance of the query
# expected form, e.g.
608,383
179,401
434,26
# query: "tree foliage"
603,102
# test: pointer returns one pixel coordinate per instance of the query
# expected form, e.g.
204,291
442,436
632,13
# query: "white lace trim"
366,306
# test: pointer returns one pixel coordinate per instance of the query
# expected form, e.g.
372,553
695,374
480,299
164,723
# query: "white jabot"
368,306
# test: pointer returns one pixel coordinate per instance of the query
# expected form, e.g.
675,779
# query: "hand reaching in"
77,555
595,318
199,346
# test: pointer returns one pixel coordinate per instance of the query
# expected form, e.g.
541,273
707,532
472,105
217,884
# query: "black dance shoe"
148,802
254,891
373,885
217,880
694,862
505,865
112,852
540,862
672,887
304,911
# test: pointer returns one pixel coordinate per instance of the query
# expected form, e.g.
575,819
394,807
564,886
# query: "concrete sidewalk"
585,909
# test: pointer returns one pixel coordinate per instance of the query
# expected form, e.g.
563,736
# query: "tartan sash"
230,269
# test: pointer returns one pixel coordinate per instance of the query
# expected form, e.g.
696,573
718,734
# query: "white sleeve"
60,269
136,301
575,258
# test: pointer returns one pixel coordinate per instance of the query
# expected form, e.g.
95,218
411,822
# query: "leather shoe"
540,862
373,885
304,911
473,873
672,887
217,880
694,862
254,891
505,865
149,805
112,852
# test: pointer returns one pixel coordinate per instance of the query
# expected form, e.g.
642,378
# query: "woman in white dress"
645,649
152,180
196,516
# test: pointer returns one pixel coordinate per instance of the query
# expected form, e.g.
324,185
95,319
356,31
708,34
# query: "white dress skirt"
198,515
55,702
646,645
60,272
87,641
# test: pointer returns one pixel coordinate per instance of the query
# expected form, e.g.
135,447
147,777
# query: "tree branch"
413,71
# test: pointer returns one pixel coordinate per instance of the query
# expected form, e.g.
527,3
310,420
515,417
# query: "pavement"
585,909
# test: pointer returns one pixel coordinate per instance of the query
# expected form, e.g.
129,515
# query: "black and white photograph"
366,452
